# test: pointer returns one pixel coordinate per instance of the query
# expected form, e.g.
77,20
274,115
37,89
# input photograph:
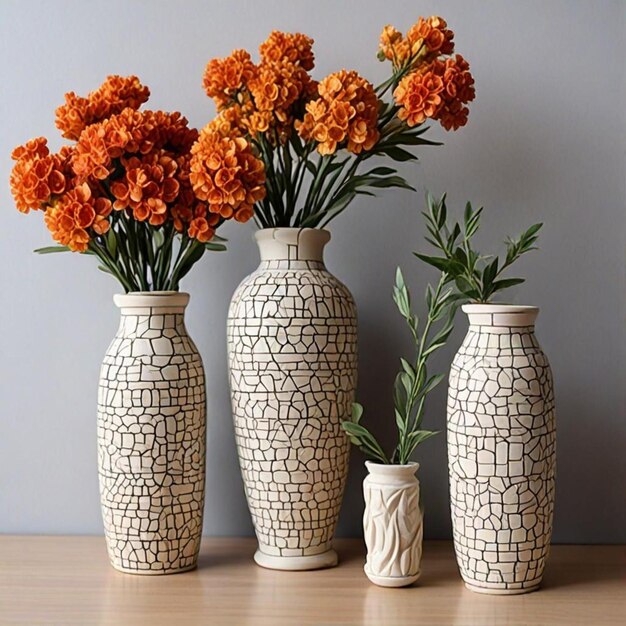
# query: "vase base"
155,572
494,591
392,581
297,563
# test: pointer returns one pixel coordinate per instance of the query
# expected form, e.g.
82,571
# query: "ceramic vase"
392,524
292,353
501,451
151,437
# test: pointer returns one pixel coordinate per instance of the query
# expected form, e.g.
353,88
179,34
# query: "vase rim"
142,299
494,307
288,228
501,315
391,469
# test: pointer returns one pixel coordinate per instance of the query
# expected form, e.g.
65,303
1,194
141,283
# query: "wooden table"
67,580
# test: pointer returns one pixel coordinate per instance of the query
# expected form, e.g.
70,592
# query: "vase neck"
501,315
152,314
292,247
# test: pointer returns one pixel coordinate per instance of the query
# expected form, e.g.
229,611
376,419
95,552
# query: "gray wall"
545,142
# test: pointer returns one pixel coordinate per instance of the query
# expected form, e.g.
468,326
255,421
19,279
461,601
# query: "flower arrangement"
466,275
288,149
122,190
477,277
413,382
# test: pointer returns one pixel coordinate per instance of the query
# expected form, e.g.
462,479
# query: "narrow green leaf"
52,249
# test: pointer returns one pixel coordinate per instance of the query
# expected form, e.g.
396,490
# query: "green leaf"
52,249
110,241
505,283
420,436
357,412
214,246
408,368
441,263
381,171
398,154
490,272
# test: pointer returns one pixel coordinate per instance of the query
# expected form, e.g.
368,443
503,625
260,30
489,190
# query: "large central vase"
292,351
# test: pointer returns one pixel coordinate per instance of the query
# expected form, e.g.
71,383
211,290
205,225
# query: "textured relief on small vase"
501,451
392,524
292,350
151,437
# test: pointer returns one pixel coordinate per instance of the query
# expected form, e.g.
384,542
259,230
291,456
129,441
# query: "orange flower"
224,78
344,115
233,121
458,90
147,187
202,225
393,46
70,219
418,96
129,132
295,48
433,33
227,175
439,91
277,87
38,176
113,96
426,39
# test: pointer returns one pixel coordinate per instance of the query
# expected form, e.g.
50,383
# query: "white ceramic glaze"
292,350
392,524
151,437
501,451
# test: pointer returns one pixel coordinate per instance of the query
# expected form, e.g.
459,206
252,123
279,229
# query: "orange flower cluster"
227,175
38,176
126,164
267,96
70,219
147,187
224,78
425,40
113,96
294,48
439,91
345,114
129,132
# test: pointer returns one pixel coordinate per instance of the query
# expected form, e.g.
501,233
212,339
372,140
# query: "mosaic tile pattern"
292,344
501,453
392,524
151,438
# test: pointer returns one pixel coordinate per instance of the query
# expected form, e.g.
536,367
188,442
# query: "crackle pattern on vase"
151,438
292,344
392,524
501,451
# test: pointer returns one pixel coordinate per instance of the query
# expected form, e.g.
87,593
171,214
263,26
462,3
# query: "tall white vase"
501,451
151,437
292,352
392,524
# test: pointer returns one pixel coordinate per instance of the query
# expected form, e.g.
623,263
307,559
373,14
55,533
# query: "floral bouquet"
289,150
122,191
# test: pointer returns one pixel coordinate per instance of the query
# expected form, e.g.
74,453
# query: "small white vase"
151,437
501,451
392,524
292,354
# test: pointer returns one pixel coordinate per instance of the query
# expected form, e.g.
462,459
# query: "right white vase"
501,451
